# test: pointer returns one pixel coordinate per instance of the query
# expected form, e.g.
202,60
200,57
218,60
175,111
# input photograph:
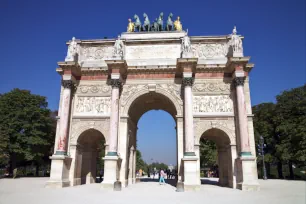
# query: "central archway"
141,105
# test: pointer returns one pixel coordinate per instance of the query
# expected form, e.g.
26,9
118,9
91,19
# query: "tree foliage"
140,164
26,126
208,153
282,125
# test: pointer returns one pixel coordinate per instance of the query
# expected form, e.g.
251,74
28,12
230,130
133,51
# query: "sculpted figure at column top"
118,47
186,45
236,43
72,50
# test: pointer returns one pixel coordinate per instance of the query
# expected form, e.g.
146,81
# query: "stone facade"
205,90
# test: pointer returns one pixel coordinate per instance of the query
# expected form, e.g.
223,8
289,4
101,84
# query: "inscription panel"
153,51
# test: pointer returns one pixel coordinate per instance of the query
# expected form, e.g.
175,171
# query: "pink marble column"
64,118
114,118
242,117
188,116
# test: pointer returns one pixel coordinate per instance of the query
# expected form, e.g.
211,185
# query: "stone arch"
167,94
201,128
82,126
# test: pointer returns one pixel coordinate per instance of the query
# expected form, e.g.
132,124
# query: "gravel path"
32,191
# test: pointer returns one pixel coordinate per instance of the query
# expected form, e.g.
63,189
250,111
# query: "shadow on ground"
171,182
209,182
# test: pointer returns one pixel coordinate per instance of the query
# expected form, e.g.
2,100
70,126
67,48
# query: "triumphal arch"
108,84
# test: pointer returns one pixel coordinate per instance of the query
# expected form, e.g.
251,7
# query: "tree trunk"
291,170
12,163
268,166
280,170
37,169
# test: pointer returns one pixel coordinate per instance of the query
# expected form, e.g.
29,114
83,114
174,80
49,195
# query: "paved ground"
32,191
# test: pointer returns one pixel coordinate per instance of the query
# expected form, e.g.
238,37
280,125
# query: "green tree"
140,164
291,119
208,153
265,125
26,125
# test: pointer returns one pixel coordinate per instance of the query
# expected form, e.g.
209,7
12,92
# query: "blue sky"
33,35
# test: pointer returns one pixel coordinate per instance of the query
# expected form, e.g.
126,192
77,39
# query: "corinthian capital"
67,84
115,83
239,81
187,81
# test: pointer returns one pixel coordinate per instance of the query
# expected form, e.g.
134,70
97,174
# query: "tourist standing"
162,177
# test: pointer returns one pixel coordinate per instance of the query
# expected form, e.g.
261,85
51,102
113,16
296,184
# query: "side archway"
224,168
90,149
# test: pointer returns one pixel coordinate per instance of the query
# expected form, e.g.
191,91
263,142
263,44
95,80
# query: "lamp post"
261,152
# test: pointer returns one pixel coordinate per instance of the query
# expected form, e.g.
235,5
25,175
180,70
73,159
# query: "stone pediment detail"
209,51
80,126
226,126
93,89
212,87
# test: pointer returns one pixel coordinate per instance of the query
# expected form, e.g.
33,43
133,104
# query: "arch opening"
90,151
154,133
216,158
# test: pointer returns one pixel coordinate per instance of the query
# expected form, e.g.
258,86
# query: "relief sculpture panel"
212,104
92,106
208,51
96,53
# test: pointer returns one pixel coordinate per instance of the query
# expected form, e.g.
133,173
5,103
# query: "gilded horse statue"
169,22
160,22
137,23
146,24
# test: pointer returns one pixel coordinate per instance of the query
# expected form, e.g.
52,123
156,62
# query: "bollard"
180,186
117,185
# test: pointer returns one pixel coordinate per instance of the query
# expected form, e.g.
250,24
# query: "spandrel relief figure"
80,105
72,50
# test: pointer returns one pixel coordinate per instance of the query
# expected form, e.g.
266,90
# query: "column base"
57,184
110,171
247,174
60,167
191,181
192,187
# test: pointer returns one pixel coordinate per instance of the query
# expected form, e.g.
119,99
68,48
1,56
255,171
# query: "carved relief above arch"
80,126
132,92
227,126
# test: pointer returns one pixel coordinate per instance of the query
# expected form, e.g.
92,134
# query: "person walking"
162,177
